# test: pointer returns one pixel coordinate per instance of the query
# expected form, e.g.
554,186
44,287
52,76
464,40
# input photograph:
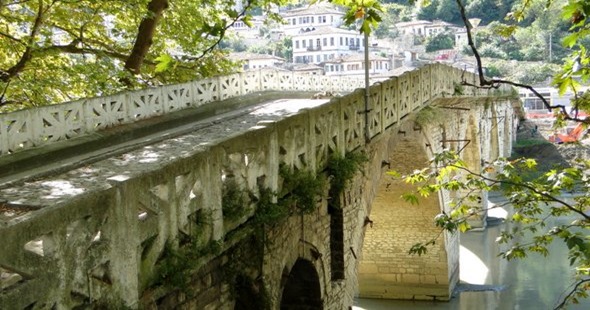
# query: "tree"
534,199
57,50
440,41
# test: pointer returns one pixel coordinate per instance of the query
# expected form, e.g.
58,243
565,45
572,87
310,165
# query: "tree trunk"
145,35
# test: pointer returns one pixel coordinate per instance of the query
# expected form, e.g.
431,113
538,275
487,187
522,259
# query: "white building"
425,28
416,27
355,65
245,31
461,38
309,17
251,61
309,69
325,43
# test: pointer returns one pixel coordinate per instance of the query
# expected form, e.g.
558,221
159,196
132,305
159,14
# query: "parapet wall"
29,128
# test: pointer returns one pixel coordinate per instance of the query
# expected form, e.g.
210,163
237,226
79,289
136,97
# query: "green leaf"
570,40
163,63
410,198
463,227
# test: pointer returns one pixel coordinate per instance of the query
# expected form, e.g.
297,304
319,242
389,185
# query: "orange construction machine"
573,136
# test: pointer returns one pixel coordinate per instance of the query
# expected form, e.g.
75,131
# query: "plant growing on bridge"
301,188
340,170
177,264
429,115
233,200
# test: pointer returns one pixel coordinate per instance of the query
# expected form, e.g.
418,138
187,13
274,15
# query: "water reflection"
489,282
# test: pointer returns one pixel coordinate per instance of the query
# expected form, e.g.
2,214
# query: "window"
346,41
341,41
297,44
317,42
312,20
332,41
325,42
310,43
318,58
304,43
358,42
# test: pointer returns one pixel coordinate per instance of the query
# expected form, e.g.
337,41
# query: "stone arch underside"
386,270
302,289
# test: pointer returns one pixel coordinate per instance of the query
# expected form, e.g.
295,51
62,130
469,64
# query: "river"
490,282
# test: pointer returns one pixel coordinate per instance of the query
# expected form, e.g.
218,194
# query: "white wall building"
245,31
325,43
355,65
461,38
252,61
309,17
416,27
425,28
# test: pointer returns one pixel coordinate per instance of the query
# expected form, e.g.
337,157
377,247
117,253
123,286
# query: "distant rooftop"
253,56
317,9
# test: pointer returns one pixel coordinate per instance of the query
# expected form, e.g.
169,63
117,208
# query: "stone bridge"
253,219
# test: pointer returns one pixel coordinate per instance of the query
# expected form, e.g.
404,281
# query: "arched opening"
386,270
302,289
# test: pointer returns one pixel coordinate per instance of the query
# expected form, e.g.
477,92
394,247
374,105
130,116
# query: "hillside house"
325,43
354,64
309,17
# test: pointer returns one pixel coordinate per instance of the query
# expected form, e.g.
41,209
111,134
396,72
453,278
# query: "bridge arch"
302,289
386,270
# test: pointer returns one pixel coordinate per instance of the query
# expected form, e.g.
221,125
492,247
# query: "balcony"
314,48
354,47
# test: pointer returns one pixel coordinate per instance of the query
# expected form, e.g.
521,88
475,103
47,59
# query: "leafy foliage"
440,41
342,169
55,50
301,188
534,201
368,12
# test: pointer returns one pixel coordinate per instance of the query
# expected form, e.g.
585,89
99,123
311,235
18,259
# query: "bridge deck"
205,120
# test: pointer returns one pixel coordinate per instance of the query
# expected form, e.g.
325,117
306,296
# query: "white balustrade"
25,129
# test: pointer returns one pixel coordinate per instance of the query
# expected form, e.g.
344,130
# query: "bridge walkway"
70,154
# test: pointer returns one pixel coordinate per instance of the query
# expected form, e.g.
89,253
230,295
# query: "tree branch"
532,189
5,76
222,34
567,297
495,83
145,35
